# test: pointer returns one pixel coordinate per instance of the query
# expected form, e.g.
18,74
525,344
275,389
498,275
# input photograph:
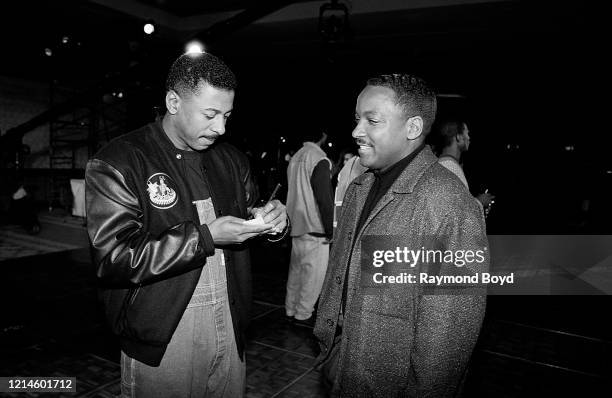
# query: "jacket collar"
405,183
407,180
216,169
160,135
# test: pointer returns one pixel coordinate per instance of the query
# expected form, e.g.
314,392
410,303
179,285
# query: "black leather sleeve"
124,253
250,186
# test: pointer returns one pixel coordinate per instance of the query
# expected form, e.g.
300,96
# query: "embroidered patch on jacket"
162,191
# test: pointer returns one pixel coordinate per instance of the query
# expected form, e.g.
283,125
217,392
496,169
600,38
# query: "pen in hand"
274,192
270,199
258,211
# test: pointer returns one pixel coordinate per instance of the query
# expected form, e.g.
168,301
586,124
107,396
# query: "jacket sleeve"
447,325
322,190
250,186
123,252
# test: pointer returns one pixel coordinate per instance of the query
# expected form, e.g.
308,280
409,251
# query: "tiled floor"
529,347
16,242
59,232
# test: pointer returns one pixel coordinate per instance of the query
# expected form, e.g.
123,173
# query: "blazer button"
330,323
350,235
338,280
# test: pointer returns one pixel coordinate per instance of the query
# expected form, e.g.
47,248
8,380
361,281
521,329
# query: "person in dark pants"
23,210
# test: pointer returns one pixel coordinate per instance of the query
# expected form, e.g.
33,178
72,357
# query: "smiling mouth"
364,147
362,144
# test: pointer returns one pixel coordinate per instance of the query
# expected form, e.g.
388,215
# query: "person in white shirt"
454,138
310,208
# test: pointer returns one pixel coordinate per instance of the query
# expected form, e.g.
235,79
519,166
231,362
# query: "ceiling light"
194,47
149,28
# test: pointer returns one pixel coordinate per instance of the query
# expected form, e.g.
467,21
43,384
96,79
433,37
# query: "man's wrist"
283,233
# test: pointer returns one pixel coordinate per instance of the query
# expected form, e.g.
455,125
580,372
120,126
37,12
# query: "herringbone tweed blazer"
398,341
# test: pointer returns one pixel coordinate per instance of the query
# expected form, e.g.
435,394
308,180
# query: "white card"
256,221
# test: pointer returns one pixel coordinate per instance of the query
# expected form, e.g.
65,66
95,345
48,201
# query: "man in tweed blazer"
398,340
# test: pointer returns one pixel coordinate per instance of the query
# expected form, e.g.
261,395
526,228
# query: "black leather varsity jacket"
148,248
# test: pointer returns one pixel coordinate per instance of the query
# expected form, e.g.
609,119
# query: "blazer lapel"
363,188
384,201
403,185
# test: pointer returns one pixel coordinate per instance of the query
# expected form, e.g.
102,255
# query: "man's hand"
228,230
486,199
274,213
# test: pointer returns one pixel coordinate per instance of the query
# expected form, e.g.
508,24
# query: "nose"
358,131
219,126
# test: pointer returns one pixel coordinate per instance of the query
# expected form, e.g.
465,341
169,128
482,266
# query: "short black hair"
313,135
189,70
413,94
446,131
308,130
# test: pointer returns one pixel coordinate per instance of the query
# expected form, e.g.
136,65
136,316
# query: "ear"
461,139
414,127
173,102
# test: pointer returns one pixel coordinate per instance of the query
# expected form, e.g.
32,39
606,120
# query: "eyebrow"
216,110
368,113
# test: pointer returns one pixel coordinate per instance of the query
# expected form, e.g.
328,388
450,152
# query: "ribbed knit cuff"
207,240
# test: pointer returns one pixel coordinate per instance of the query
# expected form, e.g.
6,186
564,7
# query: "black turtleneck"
382,182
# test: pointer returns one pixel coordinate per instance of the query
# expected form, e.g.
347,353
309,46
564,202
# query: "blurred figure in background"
310,209
345,155
23,210
350,170
453,141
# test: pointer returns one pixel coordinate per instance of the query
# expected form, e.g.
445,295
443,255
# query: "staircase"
76,135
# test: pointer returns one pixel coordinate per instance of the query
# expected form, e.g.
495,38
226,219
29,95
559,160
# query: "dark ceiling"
187,8
104,36
502,53
527,70
97,38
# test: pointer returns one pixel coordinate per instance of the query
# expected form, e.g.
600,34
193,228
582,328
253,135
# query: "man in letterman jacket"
166,211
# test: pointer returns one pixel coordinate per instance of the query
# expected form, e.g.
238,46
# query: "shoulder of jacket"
442,187
122,149
226,147
438,176
312,151
228,150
